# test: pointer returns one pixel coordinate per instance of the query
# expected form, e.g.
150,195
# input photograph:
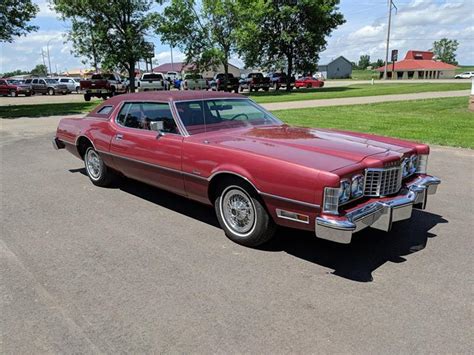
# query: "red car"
308,82
224,150
13,87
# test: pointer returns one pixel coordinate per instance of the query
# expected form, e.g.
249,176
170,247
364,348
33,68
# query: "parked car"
308,82
12,87
255,81
224,150
221,83
151,82
465,75
193,81
46,86
278,80
71,83
103,85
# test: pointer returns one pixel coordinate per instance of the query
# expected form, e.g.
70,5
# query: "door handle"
118,137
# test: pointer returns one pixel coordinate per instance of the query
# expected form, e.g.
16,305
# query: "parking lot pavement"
135,269
43,99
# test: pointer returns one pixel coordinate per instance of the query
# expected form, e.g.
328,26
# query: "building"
419,65
339,68
181,68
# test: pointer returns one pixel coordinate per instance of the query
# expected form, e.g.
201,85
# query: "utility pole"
171,47
390,5
49,59
44,62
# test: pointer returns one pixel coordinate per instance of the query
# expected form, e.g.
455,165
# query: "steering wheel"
239,114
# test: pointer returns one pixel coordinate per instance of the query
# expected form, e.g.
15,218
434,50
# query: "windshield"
51,81
216,114
14,82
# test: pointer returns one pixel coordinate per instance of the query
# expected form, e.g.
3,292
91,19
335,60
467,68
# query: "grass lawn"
361,74
16,111
444,121
354,91
465,68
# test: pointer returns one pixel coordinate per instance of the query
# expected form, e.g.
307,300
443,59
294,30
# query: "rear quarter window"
105,110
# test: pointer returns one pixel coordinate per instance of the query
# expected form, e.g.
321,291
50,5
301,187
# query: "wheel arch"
217,178
82,143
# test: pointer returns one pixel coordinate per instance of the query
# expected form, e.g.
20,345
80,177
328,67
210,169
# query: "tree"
445,50
379,63
292,31
40,70
14,17
14,73
110,32
205,33
364,61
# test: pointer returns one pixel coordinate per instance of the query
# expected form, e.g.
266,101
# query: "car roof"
173,96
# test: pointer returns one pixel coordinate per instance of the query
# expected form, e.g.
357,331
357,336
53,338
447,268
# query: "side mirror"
157,126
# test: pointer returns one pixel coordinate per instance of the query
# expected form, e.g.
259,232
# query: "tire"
28,94
87,97
78,88
13,93
266,88
253,229
309,86
51,91
96,169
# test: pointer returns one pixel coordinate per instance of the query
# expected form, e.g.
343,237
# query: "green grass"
445,121
354,91
361,74
15,111
462,69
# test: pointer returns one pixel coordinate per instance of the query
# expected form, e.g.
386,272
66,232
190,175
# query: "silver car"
72,85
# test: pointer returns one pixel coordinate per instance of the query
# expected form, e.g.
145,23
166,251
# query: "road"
133,269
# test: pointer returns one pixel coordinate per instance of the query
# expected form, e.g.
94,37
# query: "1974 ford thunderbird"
224,150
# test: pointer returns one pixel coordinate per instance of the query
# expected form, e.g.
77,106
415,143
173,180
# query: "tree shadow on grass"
369,249
283,92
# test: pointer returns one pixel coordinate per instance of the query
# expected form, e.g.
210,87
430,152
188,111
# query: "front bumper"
58,144
380,214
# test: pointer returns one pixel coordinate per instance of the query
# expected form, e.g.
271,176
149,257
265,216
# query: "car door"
42,87
147,145
3,87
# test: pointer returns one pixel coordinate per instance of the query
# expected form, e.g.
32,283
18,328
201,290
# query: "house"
339,68
418,65
181,68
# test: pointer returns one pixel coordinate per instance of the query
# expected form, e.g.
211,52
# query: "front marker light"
331,200
422,166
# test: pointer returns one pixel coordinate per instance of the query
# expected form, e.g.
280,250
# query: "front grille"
382,182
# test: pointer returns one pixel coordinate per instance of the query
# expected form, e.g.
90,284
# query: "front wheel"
51,91
242,216
96,169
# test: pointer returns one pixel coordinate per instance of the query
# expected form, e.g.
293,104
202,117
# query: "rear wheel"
242,216
96,169
51,91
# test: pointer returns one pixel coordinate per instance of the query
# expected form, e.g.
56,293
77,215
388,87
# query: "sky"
415,25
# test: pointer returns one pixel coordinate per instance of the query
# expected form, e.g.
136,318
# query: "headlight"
331,200
422,166
357,186
344,191
406,167
413,164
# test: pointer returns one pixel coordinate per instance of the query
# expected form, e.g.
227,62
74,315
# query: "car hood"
315,148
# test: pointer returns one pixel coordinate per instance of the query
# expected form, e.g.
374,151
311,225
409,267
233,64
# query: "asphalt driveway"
136,269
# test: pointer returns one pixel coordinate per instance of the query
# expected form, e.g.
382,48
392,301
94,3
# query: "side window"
3,82
35,81
63,81
147,116
105,110
42,82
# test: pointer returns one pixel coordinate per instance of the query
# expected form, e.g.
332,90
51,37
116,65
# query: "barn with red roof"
419,65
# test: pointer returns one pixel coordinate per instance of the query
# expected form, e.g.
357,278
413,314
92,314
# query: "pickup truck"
219,83
151,81
193,82
102,85
278,80
255,81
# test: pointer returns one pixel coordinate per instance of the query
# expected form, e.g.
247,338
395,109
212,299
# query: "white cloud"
415,26
45,10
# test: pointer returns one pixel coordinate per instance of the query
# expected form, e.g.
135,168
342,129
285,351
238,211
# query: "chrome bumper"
379,215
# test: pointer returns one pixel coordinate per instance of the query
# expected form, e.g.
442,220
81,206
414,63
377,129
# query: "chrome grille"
382,182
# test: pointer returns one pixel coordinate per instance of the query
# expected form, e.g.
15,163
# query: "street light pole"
390,5
49,59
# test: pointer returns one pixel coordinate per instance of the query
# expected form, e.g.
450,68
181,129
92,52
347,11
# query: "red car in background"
226,151
13,87
308,82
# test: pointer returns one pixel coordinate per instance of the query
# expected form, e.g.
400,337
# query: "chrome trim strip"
307,204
